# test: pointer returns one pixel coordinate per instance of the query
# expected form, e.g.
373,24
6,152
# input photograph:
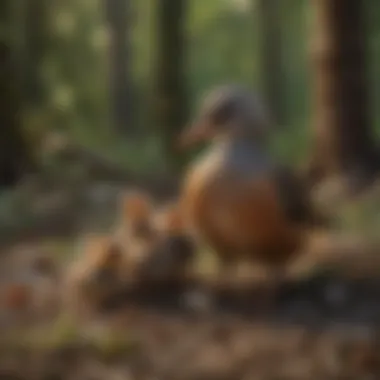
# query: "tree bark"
118,19
170,97
15,158
343,142
271,69
34,50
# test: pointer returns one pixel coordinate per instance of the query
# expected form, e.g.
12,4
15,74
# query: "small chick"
100,272
155,237
170,250
136,210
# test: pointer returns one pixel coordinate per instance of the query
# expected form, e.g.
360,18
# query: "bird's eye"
222,113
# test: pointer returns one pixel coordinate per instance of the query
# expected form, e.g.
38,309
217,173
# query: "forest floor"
321,326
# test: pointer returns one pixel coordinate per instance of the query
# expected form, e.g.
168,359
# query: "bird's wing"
296,198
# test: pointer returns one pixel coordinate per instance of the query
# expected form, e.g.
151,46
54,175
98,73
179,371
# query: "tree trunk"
34,50
343,143
15,158
170,97
117,15
268,18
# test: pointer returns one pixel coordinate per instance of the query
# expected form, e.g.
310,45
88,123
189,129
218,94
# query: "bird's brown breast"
240,214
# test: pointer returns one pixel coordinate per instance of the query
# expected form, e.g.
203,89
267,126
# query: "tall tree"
14,156
34,50
271,69
118,19
169,93
343,143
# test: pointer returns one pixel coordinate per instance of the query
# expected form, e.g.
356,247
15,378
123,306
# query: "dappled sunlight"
189,189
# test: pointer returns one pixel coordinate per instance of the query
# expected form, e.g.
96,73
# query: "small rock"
198,301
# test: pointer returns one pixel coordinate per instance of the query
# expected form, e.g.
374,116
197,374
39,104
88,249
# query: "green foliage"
221,47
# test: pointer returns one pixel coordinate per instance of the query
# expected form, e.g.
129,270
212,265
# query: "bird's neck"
240,143
240,155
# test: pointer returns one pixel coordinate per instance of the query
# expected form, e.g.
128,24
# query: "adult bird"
236,197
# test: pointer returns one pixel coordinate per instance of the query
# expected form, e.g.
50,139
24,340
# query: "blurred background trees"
342,122
118,18
170,87
268,17
15,155
122,77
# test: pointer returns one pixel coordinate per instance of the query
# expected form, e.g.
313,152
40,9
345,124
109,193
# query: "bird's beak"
194,134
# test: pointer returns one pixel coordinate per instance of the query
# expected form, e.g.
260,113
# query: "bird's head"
228,111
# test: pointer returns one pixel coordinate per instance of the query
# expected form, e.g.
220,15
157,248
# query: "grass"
66,333
135,155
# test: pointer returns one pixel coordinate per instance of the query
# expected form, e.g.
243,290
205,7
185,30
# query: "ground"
323,326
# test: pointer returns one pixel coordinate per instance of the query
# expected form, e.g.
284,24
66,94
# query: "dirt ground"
166,346
320,328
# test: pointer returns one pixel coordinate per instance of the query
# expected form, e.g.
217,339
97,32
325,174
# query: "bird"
101,270
236,197
154,236
171,251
